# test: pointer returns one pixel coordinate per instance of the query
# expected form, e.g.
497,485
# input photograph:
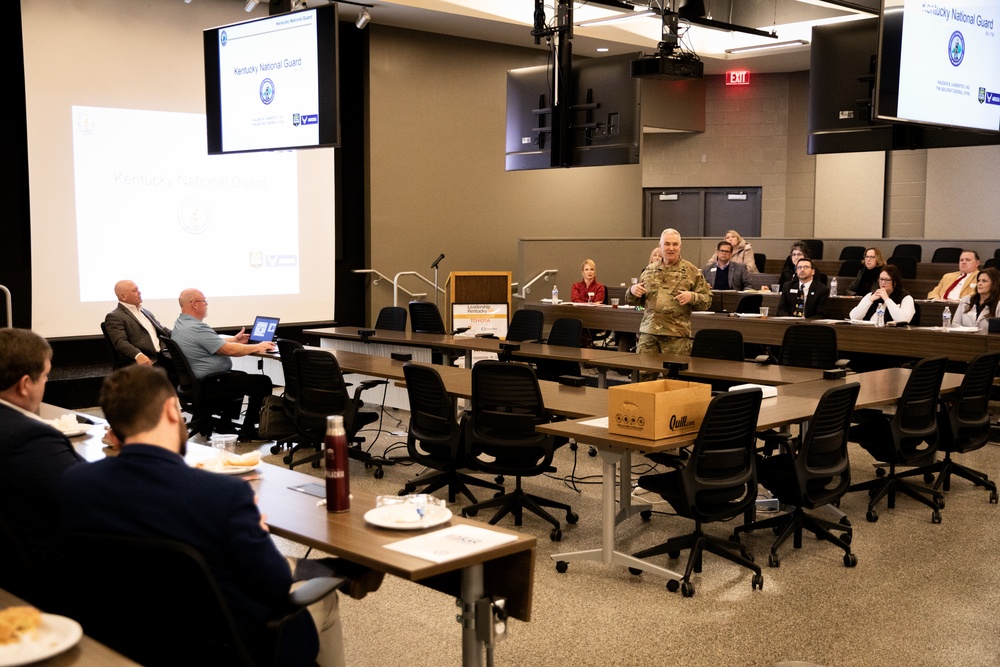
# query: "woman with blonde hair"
588,290
742,252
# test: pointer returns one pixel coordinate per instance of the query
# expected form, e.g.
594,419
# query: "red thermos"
338,485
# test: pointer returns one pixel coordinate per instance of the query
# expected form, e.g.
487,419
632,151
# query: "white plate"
55,635
72,433
864,323
388,516
212,465
964,329
749,315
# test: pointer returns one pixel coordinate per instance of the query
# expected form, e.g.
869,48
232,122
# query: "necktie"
800,303
955,284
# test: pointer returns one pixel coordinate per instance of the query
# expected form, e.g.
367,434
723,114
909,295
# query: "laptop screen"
264,329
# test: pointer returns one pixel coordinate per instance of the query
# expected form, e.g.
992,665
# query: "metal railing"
527,286
396,287
381,276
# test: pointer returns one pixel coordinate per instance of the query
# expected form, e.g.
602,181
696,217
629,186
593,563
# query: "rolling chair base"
456,482
792,525
516,501
887,487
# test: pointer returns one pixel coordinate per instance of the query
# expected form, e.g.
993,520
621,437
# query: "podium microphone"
437,261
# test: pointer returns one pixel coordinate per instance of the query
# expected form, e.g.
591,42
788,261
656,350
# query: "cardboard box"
657,409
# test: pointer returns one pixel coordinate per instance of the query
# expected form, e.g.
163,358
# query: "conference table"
505,570
86,653
795,403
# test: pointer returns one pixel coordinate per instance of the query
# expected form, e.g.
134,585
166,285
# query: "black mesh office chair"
501,439
392,318
286,351
908,437
718,483
750,303
760,261
161,605
914,250
964,426
435,439
526,325
117,359
323,392
815,248
724,344
211,408
426,318
810,346
568,332
855,252
907,265
810,473
946,255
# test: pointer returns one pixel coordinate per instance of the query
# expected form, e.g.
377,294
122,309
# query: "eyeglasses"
885,280
870,257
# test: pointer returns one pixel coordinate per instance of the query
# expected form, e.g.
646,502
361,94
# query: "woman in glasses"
798,251
867,278
974,310
889,293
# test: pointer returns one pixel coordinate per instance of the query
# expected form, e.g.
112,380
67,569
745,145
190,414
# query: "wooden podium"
480,299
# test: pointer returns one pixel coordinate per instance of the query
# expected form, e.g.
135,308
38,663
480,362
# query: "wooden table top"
87,653
714,369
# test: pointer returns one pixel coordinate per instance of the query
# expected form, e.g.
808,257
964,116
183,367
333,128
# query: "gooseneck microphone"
437,261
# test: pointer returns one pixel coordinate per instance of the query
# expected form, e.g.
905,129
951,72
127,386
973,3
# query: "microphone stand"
435,267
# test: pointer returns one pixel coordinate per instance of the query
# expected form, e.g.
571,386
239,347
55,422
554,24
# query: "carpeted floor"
921,595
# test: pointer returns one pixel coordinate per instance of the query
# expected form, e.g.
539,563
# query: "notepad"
451,543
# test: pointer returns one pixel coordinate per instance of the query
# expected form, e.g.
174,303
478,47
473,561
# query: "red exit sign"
740,77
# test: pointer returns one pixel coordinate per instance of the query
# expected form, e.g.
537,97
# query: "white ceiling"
510,22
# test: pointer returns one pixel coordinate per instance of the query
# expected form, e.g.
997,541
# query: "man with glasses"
209,353
724,274
805,297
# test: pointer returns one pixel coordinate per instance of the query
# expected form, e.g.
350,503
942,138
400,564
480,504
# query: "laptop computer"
264,330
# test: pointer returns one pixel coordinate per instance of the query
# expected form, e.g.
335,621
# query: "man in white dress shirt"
133,331
955,285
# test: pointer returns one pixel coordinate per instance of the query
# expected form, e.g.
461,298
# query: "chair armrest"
314,590
460,330
486,335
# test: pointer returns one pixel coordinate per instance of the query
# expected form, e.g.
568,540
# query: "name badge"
793,291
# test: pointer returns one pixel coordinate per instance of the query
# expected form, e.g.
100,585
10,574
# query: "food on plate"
249,459
16,622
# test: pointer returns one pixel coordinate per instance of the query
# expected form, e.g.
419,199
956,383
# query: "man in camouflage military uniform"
669,290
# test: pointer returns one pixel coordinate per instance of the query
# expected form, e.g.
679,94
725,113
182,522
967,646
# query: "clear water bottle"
946,318
555,294
880,315
833,287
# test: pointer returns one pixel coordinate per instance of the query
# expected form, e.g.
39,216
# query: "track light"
363,18
251,4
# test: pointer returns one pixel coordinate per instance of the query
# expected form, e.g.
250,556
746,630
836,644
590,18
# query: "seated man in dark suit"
208,353
33,454
805,297
724,274
132,330
148,491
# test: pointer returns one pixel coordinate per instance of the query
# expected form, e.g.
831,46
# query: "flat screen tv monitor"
939,64
272,83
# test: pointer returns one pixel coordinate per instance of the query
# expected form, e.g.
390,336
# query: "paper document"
600,422
451,543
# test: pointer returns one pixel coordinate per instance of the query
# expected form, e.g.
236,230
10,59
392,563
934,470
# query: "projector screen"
122,186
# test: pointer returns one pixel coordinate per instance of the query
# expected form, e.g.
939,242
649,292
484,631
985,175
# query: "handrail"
10,319
395,282
527,287
382,276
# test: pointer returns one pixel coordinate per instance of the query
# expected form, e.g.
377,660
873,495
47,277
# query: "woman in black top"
799,251
867,278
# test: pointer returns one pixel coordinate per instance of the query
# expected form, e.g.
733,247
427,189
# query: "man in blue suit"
33,454
149,491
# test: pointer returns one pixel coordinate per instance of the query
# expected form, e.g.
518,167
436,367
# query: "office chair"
435,438
501,439
568,332
914,250
907,265
211,408
161,605
750,303
815,248
964,426
286,352
810,346
854,252
906,438
526,325
323,392
726,344
990,263
426,318
760,260
391,318
117,359
946,255
850,268
718,483
810,473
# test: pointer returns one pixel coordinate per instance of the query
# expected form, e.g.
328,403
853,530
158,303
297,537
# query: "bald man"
133,331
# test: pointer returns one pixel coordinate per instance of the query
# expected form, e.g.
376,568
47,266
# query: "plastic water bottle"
555,294
946,318
880,315
833,287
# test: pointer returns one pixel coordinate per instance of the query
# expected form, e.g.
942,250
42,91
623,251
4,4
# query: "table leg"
613,458
602,377
472,591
